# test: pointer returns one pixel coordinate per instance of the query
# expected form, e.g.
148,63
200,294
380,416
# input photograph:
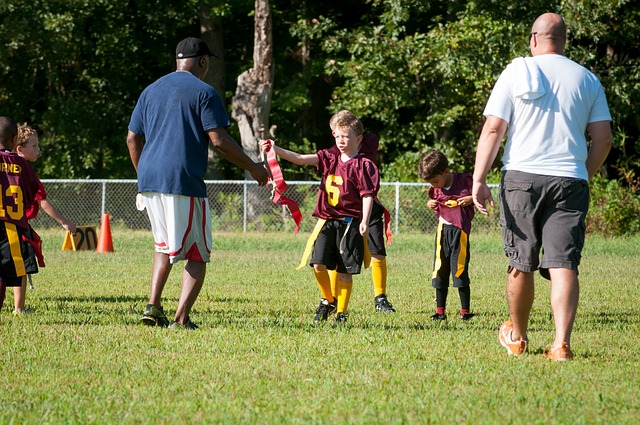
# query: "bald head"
549,34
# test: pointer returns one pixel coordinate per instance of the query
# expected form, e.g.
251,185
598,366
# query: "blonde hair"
346,119
24,132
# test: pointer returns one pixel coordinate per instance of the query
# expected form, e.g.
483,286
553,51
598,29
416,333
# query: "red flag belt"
279,186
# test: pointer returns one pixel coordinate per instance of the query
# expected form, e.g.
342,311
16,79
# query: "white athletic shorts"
181,225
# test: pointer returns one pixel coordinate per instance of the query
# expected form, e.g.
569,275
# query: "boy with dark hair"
451,200
349,184
18,187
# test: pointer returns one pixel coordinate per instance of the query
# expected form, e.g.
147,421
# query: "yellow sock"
379,275
333,275
344,293
324,283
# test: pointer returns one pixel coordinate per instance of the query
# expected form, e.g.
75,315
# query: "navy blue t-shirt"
174,114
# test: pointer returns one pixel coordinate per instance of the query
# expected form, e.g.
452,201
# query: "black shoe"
325,309
188,325
437,317
341,318
466,316
382,304
154,316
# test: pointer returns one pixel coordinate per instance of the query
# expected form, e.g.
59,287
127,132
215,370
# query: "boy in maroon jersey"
18,187
451,200
348,187
375,240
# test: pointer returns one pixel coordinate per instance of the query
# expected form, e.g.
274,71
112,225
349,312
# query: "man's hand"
259,174
482,193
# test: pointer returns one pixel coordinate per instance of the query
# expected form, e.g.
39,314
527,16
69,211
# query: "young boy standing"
450,198
28,147
376,238
18,187
349,184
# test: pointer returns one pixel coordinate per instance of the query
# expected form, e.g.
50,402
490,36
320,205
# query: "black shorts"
376,231
451,257
16,259
339,246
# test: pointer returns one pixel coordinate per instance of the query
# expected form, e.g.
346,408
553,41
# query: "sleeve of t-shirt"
500,103
370,178
600,109
40,193
323,159
213,115
136,123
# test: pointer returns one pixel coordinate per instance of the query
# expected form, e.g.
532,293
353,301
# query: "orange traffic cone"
105,244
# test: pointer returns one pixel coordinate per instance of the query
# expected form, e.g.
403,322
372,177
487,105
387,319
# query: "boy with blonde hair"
18,187
348,187
28,147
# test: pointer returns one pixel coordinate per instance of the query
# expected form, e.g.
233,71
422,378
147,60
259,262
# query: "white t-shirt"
546,134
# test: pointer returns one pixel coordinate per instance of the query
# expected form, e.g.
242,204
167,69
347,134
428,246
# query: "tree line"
418,73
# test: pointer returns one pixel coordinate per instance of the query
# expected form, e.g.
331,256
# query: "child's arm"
367,205
57,215
296,158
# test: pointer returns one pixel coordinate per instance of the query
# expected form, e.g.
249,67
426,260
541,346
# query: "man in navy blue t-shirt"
169,133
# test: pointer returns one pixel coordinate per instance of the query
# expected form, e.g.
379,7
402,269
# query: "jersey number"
333,190
14,212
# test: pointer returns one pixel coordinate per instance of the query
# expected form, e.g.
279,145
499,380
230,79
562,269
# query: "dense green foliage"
84,358
418,73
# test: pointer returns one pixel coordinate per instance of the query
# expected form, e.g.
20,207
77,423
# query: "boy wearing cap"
169,133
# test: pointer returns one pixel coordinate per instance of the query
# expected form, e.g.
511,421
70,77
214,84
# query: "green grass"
84,357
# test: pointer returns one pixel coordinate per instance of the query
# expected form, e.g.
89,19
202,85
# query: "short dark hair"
433,163
8,130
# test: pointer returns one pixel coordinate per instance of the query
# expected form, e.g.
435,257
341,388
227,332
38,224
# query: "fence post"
244,201
104,198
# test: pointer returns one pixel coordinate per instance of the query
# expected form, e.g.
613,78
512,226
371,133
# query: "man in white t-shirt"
543,104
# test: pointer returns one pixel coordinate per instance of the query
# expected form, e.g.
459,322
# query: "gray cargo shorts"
545,213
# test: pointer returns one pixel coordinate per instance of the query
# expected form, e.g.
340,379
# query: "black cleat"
325,309
154,316
382,304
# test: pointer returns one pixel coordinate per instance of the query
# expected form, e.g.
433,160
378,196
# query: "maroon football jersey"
344,184
458,216
19,184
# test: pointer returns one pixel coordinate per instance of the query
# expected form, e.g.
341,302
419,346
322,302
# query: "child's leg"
441,300
333,275
465,299
19,295
344,286
379,274
323,280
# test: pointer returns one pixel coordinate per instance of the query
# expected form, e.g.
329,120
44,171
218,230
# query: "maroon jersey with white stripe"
19,184
344,184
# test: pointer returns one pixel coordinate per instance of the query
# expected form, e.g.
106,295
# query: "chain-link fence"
236,206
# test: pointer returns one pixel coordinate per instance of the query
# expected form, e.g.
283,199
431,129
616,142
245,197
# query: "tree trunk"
252,102
212,33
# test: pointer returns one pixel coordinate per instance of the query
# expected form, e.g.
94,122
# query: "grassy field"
84,357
